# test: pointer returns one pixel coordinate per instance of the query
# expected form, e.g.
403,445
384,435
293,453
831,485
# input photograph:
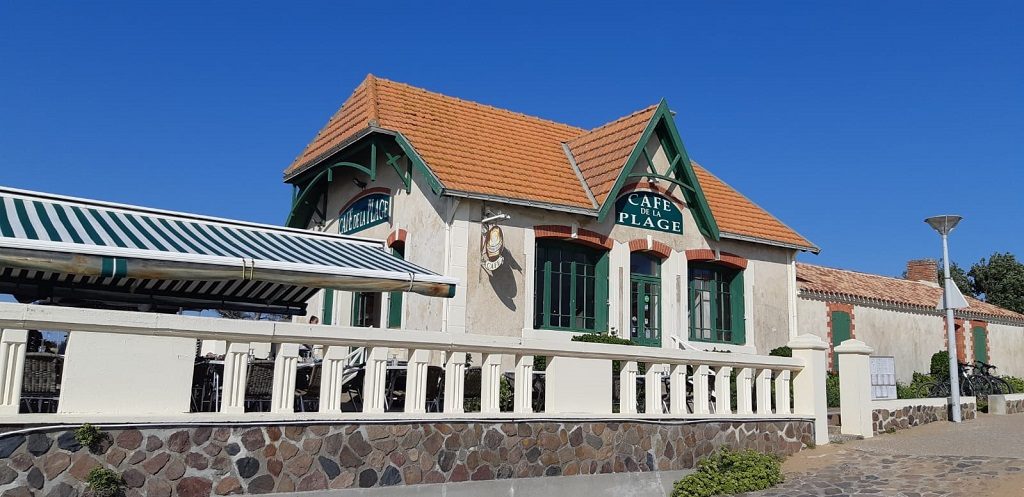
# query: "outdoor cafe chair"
40,390
308,393
259,385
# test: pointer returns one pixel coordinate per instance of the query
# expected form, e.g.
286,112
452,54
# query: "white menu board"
883,378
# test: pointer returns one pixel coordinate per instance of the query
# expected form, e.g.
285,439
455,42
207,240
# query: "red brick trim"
961,342
368,191
838,307
988,339
397,236
562,232
708,255
657,248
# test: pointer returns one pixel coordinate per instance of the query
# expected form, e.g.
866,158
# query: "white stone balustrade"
682,384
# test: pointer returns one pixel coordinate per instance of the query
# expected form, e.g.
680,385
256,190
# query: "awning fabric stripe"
31,221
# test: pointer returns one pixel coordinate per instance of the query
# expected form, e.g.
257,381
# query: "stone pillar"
374,380
653,388
332,378
855,387
701,390
809,384
627,387
416,381
490,384
13,345
745,391
282,397
677,389
723,390
454,382
236,371
523,395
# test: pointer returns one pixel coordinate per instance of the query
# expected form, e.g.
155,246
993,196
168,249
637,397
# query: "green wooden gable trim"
682,174
307,196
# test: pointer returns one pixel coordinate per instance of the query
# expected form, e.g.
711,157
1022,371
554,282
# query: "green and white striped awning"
69,248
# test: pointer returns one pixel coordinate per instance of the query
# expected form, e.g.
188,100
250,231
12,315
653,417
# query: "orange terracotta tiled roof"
886,290
480,149
602,152
469,146
737,215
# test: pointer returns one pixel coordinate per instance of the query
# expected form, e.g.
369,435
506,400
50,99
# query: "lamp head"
943,224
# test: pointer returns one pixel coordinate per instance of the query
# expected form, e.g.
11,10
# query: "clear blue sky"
844,121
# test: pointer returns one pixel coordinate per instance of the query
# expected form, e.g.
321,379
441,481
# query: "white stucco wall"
1006,348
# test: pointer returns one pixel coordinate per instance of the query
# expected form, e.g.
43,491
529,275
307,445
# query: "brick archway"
653,246
725,258
583,236
397,236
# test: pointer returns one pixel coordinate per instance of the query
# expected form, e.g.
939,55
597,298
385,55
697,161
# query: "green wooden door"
840,332
645,300
980,344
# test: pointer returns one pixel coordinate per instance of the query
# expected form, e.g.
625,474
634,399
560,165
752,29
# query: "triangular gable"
680,171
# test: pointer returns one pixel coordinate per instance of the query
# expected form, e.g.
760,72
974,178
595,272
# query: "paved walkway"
977,458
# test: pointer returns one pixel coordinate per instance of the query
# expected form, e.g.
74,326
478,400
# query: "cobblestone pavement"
980,458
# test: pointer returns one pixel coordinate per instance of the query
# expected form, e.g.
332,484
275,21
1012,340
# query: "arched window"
570,287
716,303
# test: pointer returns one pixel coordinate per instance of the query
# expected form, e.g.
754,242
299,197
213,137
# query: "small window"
366,309
570,287
716,304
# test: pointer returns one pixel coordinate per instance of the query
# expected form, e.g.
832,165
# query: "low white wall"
893,405
129,374
1006,404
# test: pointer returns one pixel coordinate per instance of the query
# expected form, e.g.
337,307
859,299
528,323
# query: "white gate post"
13,346
855,388
809,384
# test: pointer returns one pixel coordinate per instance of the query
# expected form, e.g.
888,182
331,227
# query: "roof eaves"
358,135
571,209
768,241
812,247
579,175
898,305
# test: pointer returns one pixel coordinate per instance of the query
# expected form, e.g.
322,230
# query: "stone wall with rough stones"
884,420
198,461
1012,406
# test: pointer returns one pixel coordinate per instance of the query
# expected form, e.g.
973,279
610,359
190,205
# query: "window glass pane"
641,263
712,306
571,289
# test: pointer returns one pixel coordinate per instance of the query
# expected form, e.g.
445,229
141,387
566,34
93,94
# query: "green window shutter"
980,344
840,333
395,302
328,308
601,294
738,311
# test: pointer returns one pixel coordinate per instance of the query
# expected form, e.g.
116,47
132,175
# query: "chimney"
926,270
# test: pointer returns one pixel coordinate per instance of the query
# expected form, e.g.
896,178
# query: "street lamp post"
944,225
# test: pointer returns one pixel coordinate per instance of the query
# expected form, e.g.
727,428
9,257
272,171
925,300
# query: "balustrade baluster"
454,382
374,382
627,387
677,389
782,392
723,390
745,391
416,381
282,397
13,345
523,395
654,389
236,371
332,378
490,386
701,390
764,392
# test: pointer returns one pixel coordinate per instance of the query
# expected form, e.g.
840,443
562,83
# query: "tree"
252,316
1000,281
961,278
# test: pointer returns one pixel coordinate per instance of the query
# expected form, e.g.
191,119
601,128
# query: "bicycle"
996,385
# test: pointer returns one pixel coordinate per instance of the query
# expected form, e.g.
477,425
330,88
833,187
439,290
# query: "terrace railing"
698,384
